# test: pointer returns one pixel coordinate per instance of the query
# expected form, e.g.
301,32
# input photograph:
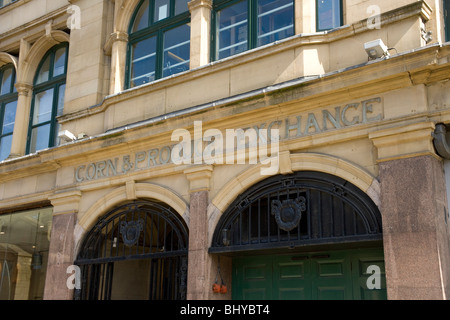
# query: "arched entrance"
307,235
138,251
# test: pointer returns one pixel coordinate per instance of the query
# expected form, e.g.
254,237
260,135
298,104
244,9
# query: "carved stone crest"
288,213
131,231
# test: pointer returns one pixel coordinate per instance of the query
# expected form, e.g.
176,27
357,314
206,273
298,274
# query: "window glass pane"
144,62
61,94
40,138
162,9
43,106
5,147
275,20
141,20
6,81
9,117
59,67
232,30
181,6
329,14
24,245
176,50
44,72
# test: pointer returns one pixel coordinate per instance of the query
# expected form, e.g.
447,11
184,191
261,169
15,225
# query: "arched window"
8,106
48,99
246,24
159,41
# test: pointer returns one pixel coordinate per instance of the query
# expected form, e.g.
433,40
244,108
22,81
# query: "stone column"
118,43
20,134
200,32
199,266
414,209
61,251
305,16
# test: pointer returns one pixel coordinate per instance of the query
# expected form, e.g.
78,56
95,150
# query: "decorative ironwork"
303,208
130,231
289,212
139,230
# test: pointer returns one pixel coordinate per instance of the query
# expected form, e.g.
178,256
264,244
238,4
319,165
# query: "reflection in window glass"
9,117
61,95
162,9
59,67
6,81
24,246
8,106
160,46
176,50
144,62
275,20
141,20
43,107
181,6
40,138
44,72
232,31
328,14
5,147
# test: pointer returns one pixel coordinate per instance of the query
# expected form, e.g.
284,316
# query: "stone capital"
199,178
66,202
196,4
113,38
404,142
23,89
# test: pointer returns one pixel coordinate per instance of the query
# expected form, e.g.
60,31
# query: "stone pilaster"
200,32
414,209
199,260
61,252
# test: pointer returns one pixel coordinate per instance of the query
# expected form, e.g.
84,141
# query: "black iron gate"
137,251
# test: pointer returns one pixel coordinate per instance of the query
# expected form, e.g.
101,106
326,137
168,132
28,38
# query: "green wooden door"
337,275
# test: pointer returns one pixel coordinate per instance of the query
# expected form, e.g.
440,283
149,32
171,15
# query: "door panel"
290,278
254,277
338,275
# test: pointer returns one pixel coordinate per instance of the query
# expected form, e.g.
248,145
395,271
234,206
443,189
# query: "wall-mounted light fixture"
376,49
66,136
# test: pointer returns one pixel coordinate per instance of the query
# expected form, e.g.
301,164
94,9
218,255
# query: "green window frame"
329,14
447,19
241,25
8,108
48,99
4,3
159,41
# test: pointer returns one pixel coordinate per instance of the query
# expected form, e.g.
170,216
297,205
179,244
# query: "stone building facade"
206,149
